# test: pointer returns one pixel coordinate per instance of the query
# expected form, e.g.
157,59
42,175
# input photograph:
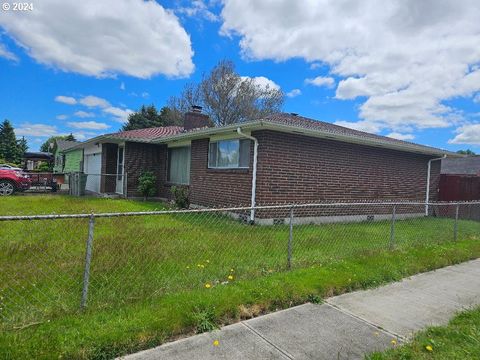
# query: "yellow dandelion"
208,285
230,277
202,266
216,342
429,348
198,265
394,342
231,270
208,261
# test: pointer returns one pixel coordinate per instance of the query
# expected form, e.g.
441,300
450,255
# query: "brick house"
297,160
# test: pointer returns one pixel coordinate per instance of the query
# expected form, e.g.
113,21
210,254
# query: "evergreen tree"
9,149
22,148
46,147
148,117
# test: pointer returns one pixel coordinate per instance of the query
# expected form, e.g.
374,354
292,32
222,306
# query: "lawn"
460,339
150,275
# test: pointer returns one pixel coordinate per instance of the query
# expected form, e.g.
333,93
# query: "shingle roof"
147,134
311,124
65,144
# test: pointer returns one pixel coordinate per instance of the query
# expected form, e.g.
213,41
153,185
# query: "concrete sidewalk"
345,327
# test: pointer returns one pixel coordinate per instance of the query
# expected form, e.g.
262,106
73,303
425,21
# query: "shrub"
181,196
147,184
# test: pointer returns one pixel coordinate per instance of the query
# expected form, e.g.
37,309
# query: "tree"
148,117
51,144
9,149
22,146
466,152
227,97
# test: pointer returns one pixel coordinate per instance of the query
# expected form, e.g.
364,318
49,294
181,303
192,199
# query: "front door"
120,177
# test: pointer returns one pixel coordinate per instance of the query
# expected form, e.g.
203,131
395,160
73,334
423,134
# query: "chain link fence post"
290,240
392,227
88,259
455,224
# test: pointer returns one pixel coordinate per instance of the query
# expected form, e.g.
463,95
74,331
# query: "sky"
407,69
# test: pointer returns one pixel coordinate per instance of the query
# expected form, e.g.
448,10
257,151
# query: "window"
227,154
179,165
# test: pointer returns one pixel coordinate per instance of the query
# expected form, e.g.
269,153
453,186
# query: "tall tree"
227,97
9,149
148,117
22,146
51,144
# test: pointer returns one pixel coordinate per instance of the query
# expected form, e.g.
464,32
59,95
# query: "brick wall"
215,187
295,168
109,166
140,157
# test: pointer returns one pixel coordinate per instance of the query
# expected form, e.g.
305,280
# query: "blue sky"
395,68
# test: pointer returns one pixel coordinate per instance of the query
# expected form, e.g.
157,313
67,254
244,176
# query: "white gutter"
427,192
254,173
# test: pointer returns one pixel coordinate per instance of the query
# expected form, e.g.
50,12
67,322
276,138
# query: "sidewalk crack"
279,349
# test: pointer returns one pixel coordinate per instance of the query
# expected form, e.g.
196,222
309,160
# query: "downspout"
427,192
254,173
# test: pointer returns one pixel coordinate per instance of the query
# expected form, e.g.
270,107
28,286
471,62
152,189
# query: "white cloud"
321,81
120,115
406,57
197,9
61,117
293,93
39,130
66,100
262,82
315,65
122,86
94,101
7,54
467,134
360,125
90,125
84,114
399,136
476,98
103,38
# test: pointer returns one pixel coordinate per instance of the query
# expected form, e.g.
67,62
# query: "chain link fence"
52,265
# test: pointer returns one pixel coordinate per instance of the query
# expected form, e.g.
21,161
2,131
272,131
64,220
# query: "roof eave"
307,132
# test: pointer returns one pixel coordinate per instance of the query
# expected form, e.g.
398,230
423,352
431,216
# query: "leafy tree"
148,117
9,148
466,152
47,147
227,97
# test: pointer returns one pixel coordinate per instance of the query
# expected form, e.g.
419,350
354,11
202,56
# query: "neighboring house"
67,161
284,158
33,159
460,179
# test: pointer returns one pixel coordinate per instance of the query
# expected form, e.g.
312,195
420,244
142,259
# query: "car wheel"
6,188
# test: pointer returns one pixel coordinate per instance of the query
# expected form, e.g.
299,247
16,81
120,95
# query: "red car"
13,180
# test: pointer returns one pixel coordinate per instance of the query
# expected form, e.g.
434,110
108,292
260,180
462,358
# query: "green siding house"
67,160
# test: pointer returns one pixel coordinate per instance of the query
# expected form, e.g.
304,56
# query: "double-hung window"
229,154
179,165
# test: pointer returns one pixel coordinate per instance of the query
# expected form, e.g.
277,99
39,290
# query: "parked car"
12,181
9,167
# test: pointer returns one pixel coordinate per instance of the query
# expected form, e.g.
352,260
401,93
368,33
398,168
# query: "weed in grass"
205,319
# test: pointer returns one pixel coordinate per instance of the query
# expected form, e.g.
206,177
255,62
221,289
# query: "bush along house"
282,158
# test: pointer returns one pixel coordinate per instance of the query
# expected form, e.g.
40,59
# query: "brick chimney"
194,119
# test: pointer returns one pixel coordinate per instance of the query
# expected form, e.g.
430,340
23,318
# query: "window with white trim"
229,154
179,165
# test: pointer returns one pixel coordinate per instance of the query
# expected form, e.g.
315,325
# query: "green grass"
149,273
460,339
